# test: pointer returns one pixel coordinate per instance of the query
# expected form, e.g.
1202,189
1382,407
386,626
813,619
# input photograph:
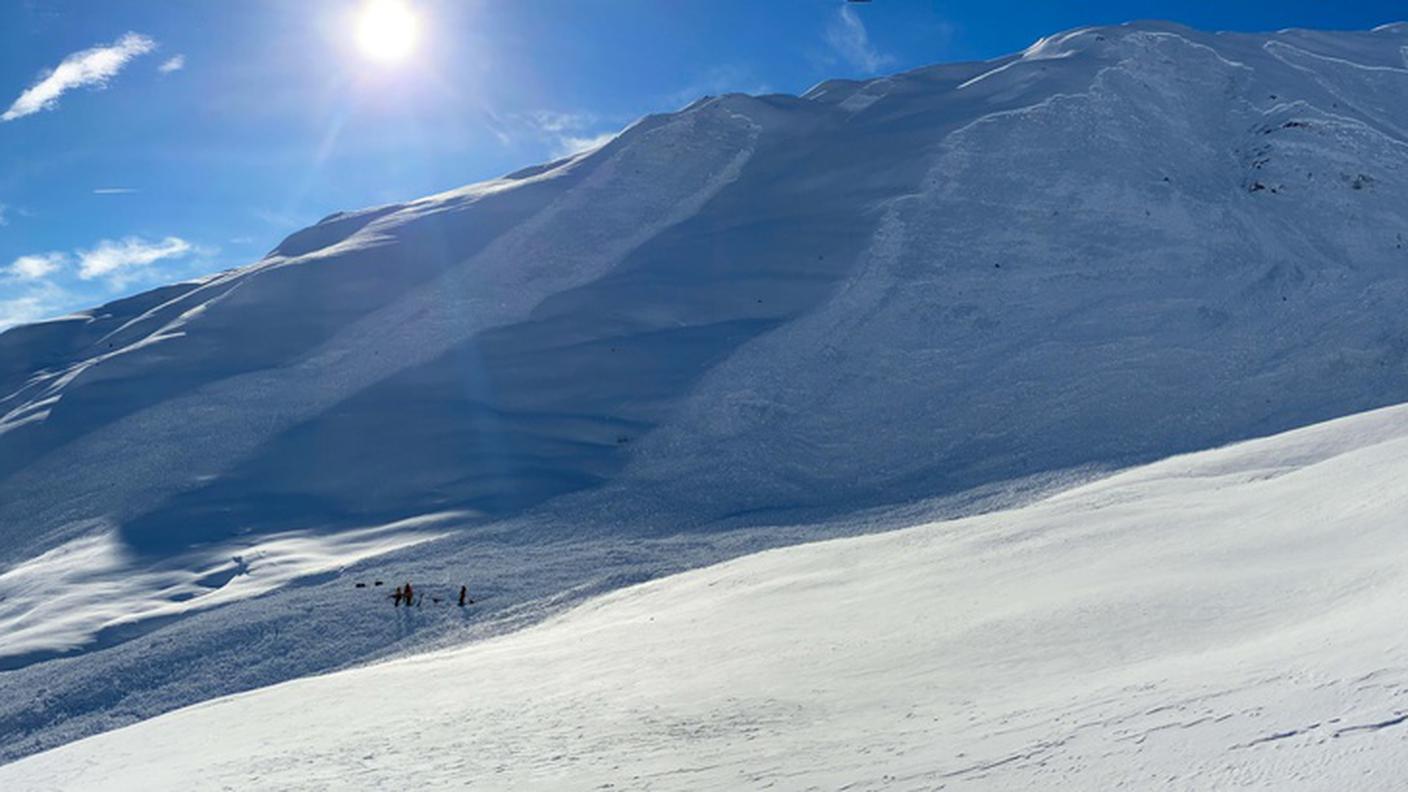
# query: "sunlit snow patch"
1229,618
92,587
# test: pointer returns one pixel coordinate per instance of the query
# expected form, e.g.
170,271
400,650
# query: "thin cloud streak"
173,64
564,133
717,81
847,35
91,67
568,146
110,257
114,190
550,121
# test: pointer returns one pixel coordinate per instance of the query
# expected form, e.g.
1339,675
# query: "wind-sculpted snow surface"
1225,619
757,312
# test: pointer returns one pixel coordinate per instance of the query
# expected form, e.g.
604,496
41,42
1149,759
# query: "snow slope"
735,326
1231,618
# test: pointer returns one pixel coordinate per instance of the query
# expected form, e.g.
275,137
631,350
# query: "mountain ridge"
729,322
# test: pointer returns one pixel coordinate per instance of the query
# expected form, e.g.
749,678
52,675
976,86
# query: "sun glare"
386,30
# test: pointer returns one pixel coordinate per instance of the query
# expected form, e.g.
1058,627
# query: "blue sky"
143,142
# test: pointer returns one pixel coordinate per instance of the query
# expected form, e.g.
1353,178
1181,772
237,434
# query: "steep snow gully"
752,322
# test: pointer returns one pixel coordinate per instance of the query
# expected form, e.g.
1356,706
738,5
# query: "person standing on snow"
409,598
396,598
463,591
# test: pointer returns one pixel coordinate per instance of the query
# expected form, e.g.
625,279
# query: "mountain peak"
956,286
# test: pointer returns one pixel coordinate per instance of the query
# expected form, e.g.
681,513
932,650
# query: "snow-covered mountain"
1227,619
751,322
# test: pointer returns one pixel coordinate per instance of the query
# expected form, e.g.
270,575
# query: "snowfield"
755,322
1231,618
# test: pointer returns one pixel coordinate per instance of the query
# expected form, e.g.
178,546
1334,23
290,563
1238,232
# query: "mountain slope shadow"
522,413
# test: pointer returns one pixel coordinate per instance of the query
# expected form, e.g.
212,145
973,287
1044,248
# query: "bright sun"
386,30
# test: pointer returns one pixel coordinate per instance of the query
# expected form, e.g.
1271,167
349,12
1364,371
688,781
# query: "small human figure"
397,597
463,591
410,596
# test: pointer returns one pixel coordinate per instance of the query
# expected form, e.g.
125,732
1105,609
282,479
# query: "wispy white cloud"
114,190
41,300
281,219
113,258
566,133
847,36
498,125
35,266
172,64
567,145
8,212
92,67
42,285
551,121
716,81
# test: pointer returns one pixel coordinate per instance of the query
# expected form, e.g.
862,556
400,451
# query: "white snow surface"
1226,619
87,585
752,322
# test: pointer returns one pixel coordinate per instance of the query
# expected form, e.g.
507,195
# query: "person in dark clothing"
396,598
463,591
410,597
